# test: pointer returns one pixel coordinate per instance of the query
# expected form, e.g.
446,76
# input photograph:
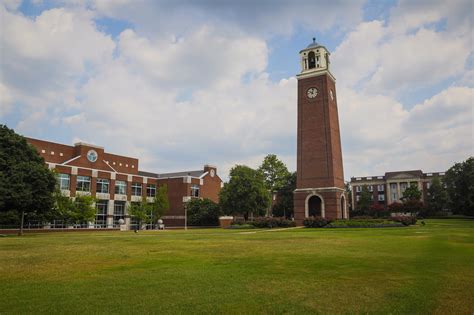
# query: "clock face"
312,92
92,156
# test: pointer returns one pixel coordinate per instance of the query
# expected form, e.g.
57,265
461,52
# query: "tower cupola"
314,58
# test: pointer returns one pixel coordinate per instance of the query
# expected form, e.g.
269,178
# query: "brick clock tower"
320,177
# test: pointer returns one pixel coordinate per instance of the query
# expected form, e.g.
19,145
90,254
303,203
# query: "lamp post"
185,218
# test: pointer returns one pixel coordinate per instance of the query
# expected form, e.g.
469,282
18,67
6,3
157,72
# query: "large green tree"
160,204
459,180
274,172
203,212
141,211
84,210
412,193
245,193
26,184
437,199
365,200
64,208
284,202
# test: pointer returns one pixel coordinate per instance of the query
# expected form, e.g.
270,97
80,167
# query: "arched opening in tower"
311,60
314,206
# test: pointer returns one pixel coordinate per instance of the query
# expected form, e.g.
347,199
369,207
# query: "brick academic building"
389,188
116,181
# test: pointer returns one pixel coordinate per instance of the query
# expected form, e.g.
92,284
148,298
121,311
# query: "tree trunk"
20,233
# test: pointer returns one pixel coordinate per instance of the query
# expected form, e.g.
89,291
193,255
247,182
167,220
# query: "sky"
179,84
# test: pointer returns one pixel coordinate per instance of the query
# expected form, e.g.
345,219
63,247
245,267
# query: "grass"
412,270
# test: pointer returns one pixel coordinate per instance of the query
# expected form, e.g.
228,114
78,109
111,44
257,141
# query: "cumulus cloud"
188,83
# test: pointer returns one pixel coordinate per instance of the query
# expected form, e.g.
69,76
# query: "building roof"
313,44
175,174
414,173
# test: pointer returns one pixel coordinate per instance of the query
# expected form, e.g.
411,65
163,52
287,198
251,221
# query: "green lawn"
414,270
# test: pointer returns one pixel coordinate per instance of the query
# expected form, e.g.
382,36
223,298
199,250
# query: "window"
371,197
102,185
119,211
194,190
63,181
150,190
120,187
381,197
136,189
358,189
393,186
371,188
403,187
394,196
357,198
83,183
428,185
101,215
380,187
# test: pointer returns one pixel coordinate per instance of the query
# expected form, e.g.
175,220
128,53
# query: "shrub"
363,223
203,212
405,220
378,211
396,207
362,217
316,222
242,226
271,222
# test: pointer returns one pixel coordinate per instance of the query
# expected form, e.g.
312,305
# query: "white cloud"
189,84
381,136
6,100
410,62
204,54
357,56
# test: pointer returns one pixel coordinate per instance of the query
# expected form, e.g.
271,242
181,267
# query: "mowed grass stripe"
414,270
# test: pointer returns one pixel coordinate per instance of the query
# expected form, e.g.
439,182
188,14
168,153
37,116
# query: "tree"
274,173
459,180
284,202
160,203
348,188
365,200
437,199
245,193
203,212
141,211
378,211
63,209
411,193
26,184
84,210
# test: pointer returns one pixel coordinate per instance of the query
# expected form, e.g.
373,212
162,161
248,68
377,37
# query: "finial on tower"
314,40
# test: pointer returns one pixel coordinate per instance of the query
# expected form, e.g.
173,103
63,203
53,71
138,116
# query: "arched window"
314,206
311,60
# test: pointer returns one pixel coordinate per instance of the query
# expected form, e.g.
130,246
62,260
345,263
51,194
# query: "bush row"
319,222
265,222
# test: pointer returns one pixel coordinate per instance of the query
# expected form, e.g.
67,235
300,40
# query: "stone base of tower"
325,202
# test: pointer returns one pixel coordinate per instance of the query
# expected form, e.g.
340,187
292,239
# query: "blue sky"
183,83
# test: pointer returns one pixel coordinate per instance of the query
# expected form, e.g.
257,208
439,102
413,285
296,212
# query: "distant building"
389,188
116,181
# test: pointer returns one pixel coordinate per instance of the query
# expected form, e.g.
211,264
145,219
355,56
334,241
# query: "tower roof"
312,45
